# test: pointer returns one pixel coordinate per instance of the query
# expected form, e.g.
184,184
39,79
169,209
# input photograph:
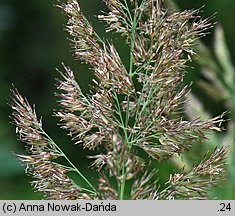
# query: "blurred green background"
33,44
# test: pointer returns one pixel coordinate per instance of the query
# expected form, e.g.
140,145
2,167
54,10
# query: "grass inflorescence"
134,113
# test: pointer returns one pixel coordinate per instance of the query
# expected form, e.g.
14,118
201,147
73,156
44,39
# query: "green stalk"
123,184
71,164
134,23
125,125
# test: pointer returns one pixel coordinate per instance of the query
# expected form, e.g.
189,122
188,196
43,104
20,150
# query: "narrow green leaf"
223,55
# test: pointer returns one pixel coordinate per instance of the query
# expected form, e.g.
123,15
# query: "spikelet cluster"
133,116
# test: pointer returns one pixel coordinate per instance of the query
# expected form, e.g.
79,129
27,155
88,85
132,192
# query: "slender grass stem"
134,21
131,111
68,160
123,184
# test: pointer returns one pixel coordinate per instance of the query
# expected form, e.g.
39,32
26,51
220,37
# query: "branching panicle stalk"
132,111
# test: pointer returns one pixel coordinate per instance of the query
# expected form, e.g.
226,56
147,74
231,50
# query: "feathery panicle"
144,187
83,39
195,184
73,102
89,48
50,177
28,128
119,18
106,189
174,136
132,116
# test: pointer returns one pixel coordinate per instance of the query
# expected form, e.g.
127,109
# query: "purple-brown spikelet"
133,117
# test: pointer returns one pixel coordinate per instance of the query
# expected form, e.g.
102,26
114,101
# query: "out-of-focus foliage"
32,44
217,84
